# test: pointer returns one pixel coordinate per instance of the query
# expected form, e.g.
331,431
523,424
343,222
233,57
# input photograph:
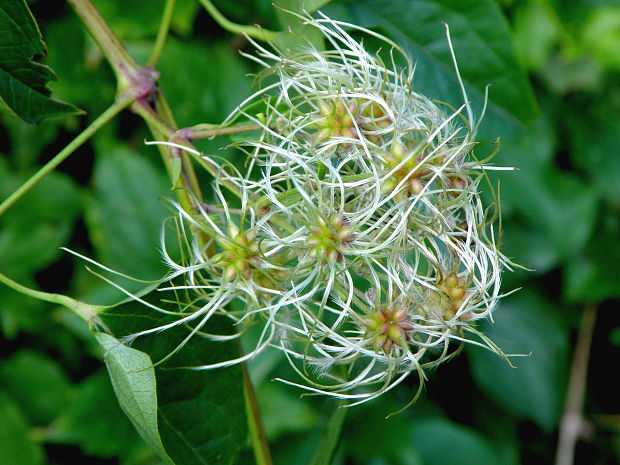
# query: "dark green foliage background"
554,70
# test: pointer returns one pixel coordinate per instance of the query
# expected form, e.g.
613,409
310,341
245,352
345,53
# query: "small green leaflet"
133,378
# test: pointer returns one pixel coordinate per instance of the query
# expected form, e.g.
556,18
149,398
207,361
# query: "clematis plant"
361,247
352,240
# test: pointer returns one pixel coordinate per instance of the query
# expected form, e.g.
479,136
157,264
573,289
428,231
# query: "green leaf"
133,379
595,144
535,33
601,35
38,385
23,81
592,274
32,232
56,197
201,413
283,411
528,246
27,141
293,33
14,319
25,250
500,430
85,78
16,447
203,97
559,205
331,438
296,449
130,20
482,45
175,171
442,442
309,6
534,390
126,219
531,154
369,436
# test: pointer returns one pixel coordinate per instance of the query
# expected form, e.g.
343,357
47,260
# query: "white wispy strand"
361,247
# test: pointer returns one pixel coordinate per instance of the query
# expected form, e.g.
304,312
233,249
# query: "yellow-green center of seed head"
374,116
329,238
336,120
405,170
388,326
239,250
454,292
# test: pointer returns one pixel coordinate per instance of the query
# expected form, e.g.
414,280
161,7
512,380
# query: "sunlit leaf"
535,33
133,379
601,35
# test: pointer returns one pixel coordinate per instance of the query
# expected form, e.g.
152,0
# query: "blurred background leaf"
16,447
534,387
126,211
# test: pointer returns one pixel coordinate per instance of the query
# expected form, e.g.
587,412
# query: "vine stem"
162,33
184,136
50,166
86,311
209,131
148,102
252,31
573,424
127,71
257,432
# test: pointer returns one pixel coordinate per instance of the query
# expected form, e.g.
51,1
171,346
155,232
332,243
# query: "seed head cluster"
360,246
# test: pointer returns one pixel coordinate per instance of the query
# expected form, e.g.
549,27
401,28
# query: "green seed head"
388,326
